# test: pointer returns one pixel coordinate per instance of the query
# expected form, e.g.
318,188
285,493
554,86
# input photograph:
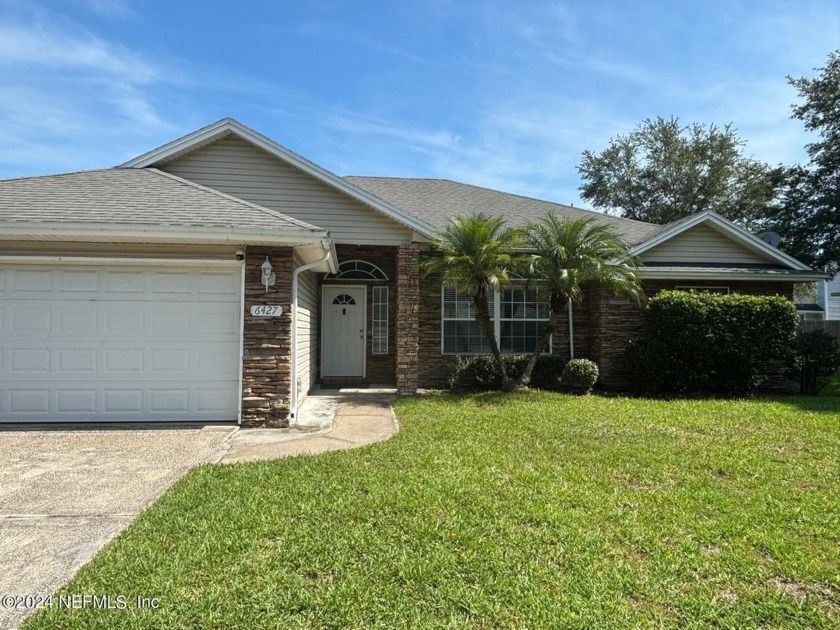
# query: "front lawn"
529,511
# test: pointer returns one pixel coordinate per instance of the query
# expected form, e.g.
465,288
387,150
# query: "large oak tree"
663,171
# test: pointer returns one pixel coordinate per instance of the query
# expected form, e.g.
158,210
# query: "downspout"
293,404
571,333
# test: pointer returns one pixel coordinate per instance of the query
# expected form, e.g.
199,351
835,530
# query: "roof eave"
97,233
763,276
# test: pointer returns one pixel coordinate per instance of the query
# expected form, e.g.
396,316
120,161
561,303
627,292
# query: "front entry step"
338,382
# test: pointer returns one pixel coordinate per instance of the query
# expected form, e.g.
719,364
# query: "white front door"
343,335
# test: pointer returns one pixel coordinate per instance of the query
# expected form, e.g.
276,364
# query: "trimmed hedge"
479,373
817,360
710,343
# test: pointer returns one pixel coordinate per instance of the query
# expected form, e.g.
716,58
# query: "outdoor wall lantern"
268,277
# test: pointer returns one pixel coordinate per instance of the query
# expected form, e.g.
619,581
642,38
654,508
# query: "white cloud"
65,94
51,48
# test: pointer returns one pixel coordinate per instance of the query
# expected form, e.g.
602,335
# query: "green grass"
528,511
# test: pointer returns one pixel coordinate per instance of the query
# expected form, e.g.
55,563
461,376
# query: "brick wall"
266,364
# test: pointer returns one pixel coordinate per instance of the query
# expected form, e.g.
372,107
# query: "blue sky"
496,93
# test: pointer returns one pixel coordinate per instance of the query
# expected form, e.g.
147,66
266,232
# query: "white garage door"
87,343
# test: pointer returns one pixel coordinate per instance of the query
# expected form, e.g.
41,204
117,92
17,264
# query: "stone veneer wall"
380,368
616,319
407,320
266,362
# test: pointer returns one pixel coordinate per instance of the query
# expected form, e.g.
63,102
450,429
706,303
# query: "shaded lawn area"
536,510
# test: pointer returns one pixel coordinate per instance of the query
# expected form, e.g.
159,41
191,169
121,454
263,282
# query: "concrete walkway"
329,420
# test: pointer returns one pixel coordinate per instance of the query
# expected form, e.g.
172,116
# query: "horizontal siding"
245,171
831,303
702,244
307,332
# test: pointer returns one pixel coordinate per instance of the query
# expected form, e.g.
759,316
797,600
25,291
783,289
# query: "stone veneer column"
408,323
266,361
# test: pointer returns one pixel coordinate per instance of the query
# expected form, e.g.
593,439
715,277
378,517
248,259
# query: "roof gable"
228,126
748,248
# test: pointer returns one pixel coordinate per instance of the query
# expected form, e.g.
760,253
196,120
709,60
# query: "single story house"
221,276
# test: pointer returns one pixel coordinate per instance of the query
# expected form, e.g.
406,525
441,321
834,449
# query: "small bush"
479,373
579,376
710,343
816,361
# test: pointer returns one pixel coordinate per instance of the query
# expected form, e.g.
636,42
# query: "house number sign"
266,310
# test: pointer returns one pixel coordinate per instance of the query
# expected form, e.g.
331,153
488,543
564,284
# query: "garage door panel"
29,401
29,361
76,401
32,280
78,280
30,320
209,399
128,344
170,360
217,284
79,321
76,360
121,401
169,400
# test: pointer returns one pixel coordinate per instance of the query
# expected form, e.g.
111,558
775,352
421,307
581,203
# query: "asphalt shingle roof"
436,200
133,197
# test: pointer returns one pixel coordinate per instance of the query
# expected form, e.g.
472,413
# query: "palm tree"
567,256
474,255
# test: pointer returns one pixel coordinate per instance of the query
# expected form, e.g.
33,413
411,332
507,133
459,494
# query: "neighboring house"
828,298
149,292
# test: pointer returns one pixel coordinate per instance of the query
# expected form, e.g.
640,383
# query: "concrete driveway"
65,493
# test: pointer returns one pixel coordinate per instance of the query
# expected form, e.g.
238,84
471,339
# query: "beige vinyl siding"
702,244
307,332
238,168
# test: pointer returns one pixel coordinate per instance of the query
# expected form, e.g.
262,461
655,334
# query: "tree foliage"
663,171
807,213
568,256
474,255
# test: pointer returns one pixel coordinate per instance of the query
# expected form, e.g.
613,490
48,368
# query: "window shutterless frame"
512,313
379,321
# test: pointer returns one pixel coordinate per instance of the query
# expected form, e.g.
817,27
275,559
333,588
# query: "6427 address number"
266,310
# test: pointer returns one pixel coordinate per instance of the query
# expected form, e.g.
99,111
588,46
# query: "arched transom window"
358,270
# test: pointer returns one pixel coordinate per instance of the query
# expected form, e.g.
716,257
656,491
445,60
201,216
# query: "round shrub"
479,373
579,376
